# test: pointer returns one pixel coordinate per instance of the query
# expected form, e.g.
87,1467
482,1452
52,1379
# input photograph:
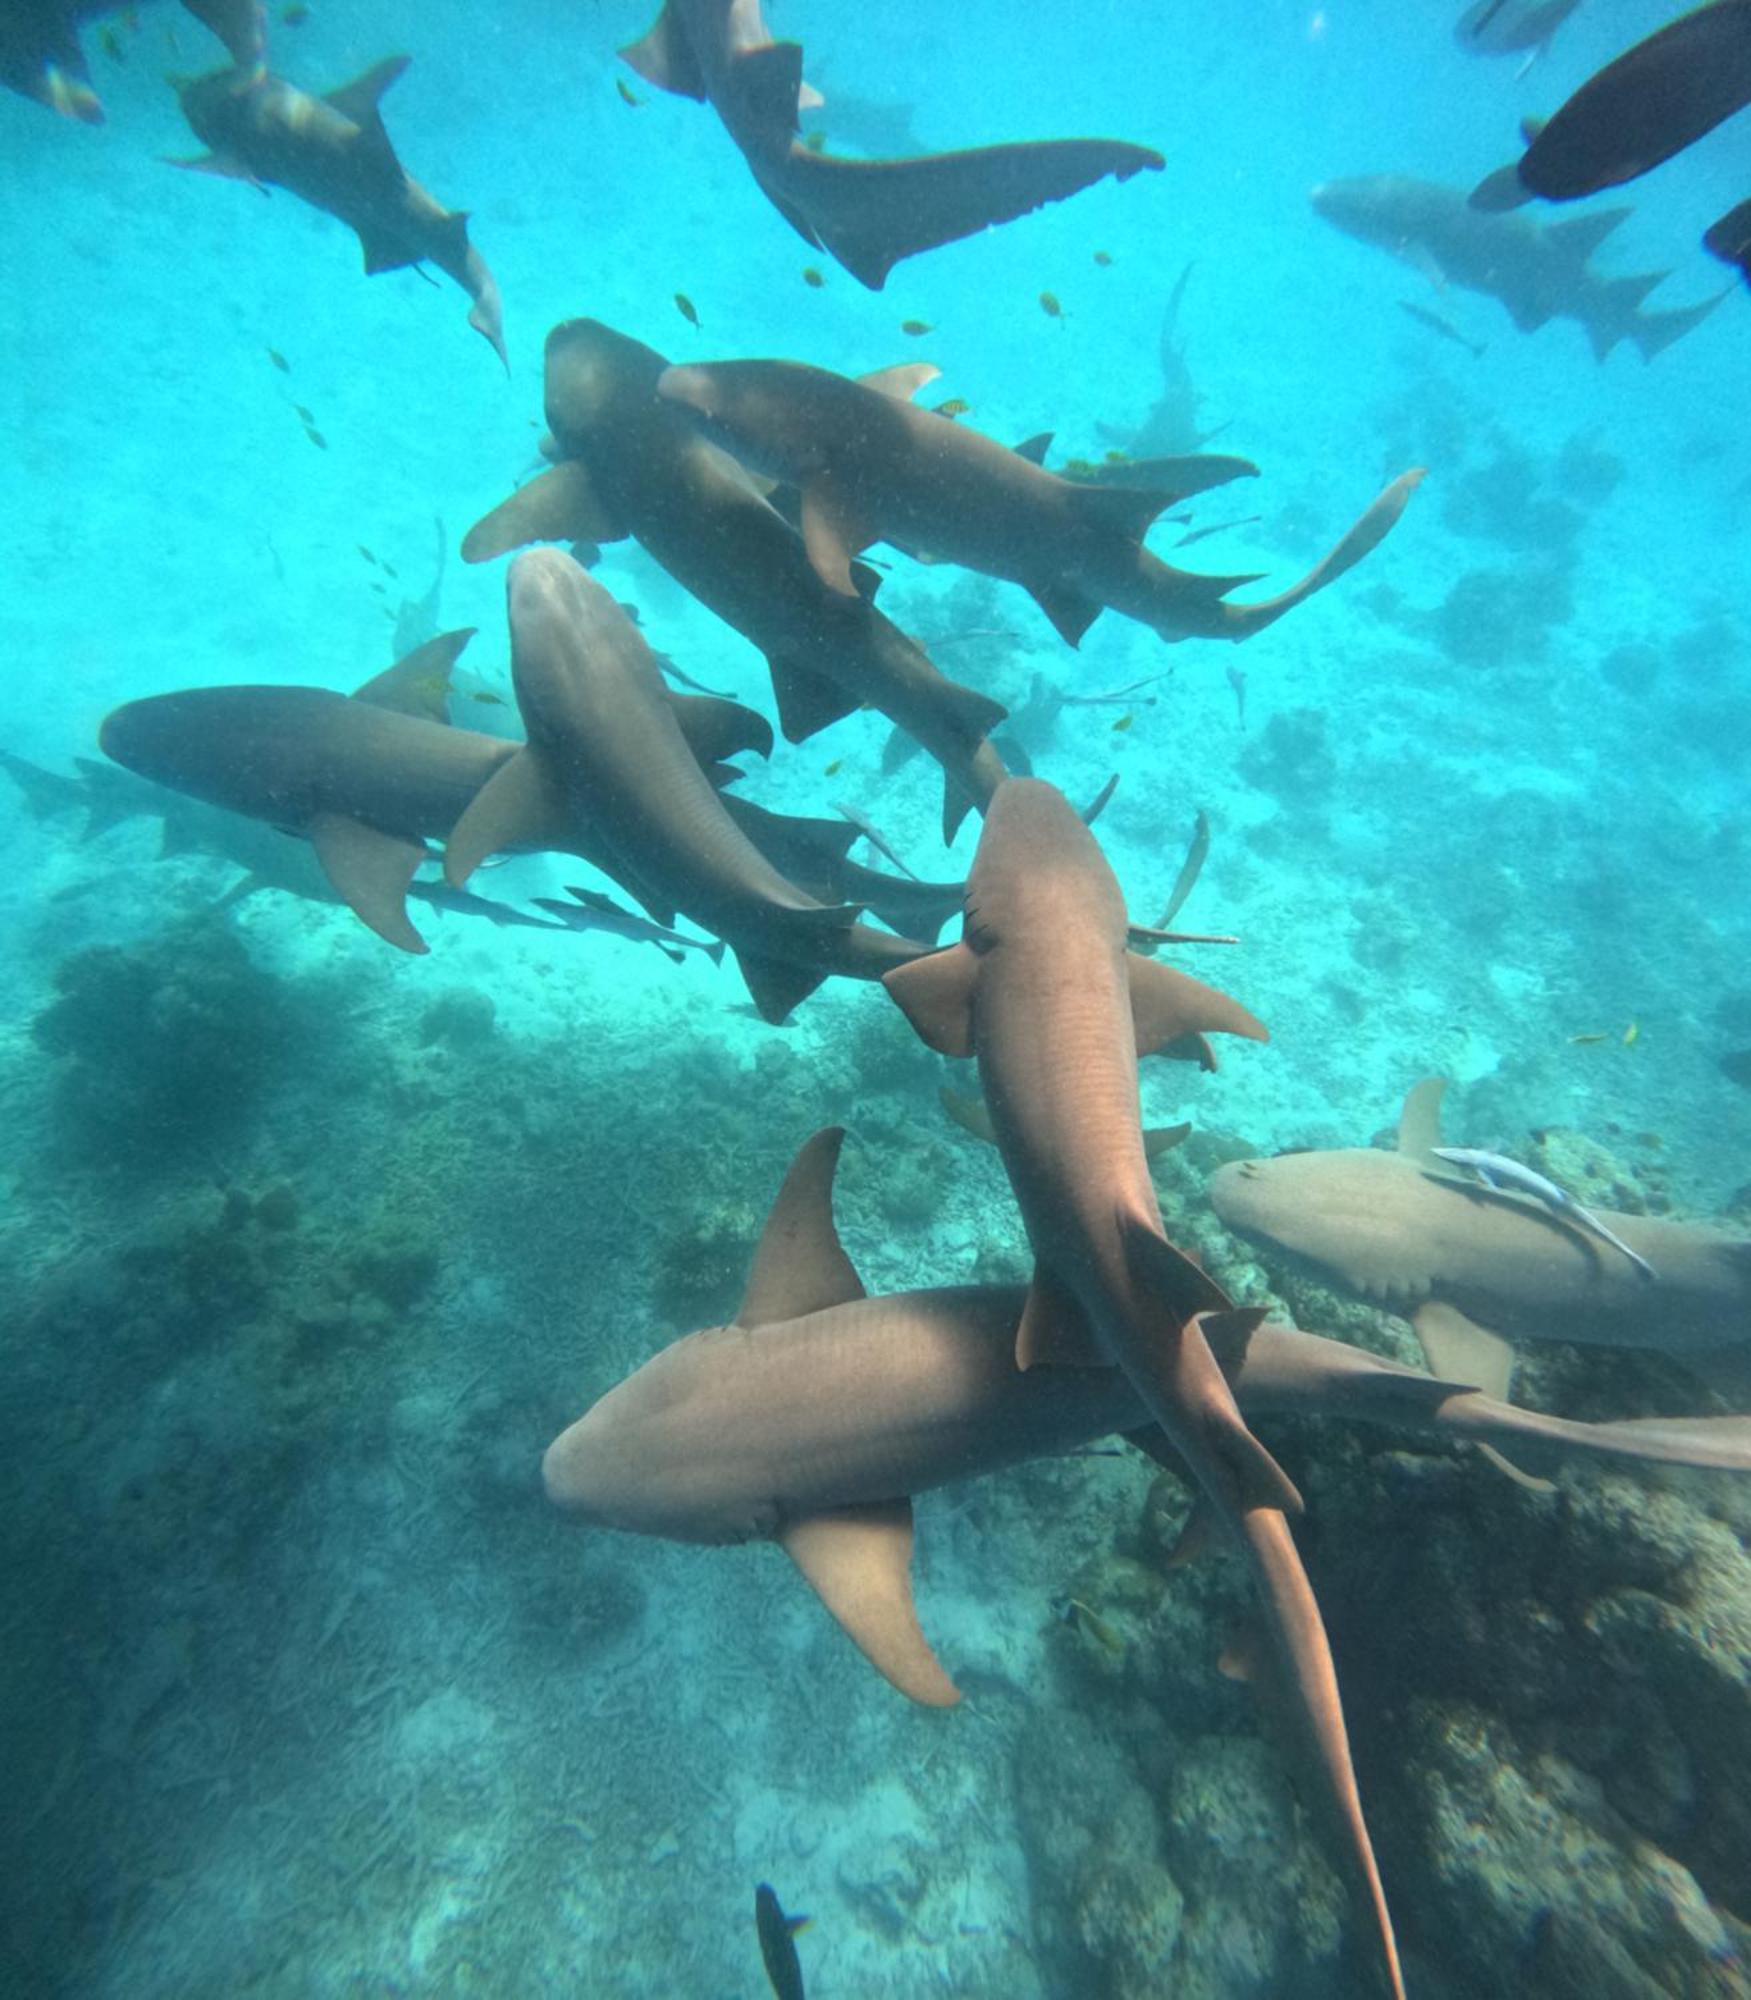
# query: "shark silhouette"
867,214
40,55
872,466
607,766
334,153
1478,1268
631,464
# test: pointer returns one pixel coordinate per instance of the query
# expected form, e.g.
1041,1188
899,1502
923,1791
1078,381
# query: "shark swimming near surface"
1044,993
605,765
874,466
629,464
1477,1269
1536,273
334,153
867,214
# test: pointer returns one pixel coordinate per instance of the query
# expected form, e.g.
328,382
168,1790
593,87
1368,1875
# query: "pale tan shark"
1476,1269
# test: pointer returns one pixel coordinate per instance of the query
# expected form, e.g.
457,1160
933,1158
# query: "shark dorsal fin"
1419,1123
1054,1330
801,1266
369,870
935,994
1034,448
902,381
859,1559
419,682
359,99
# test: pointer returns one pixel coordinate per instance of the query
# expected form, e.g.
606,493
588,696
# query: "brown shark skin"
874,466
693,510
1397,1233
1049,999
334,153
602,734
868,214
726,1433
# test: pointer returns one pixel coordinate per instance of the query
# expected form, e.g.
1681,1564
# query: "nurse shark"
1477,1269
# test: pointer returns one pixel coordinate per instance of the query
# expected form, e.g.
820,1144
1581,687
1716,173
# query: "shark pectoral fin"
1069,609
903,380
1166,1004
1054,1330
369,870
558,505
1159,1139
717,728
832,534
386,251
520,805
1419,1122
969,1113
807,700
859,1560
936,995
800,1266
1459,1350
664,57
775,985
419,682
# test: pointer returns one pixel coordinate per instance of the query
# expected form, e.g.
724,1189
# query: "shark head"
1036,865
593,374
1348,1211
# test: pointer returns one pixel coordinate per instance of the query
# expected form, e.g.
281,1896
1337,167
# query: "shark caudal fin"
1366,533
1297,1679
869,214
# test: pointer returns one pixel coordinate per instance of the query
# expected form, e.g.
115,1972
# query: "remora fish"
868,214
1042,990
367,778
605,755
1537,274
590,910
1477,1270
1653,101
872,466
630,464
1512,27
1498,1172
334,153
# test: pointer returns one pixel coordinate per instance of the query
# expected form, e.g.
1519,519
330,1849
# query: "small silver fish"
1497,1172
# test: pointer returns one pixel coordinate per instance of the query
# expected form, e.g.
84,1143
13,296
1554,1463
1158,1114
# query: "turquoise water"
310,1248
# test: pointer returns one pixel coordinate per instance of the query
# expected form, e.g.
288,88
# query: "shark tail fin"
664,56
1654,332
1365,534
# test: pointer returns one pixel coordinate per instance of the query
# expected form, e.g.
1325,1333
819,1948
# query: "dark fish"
916,327
1444,327
1655,99
1049,305
686,308
1512,27
303,415
956,406
295,15
813,276
316,437
279,361
1237,681
1124,722
778,1943
627,94
366,553
1102,258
